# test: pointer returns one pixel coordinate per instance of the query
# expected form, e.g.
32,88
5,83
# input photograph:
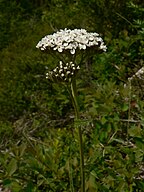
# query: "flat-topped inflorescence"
63,72
71,40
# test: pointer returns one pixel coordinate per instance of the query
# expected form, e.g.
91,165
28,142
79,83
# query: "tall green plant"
71,48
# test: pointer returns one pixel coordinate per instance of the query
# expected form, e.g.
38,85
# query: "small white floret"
72,51
62,74
68,72
78,67
60,70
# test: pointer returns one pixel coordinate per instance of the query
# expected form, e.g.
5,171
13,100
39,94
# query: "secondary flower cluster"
71,40
63,72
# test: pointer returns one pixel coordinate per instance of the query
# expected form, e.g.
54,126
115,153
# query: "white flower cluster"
63,72
137,74
71,40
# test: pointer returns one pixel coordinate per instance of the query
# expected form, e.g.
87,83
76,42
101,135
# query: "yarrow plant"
71,43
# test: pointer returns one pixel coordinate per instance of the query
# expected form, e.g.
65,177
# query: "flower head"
63,72
71,40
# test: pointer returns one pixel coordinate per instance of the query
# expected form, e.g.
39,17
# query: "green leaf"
135,131
103,120
125,107
92,186
12,167
139,155
22,149
121,186
16,187
6,182
139,143
29,187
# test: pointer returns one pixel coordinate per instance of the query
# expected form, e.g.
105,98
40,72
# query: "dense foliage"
39,144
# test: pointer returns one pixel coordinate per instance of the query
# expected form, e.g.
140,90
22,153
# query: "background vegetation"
38,146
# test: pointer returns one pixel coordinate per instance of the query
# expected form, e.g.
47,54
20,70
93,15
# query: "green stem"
75,104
